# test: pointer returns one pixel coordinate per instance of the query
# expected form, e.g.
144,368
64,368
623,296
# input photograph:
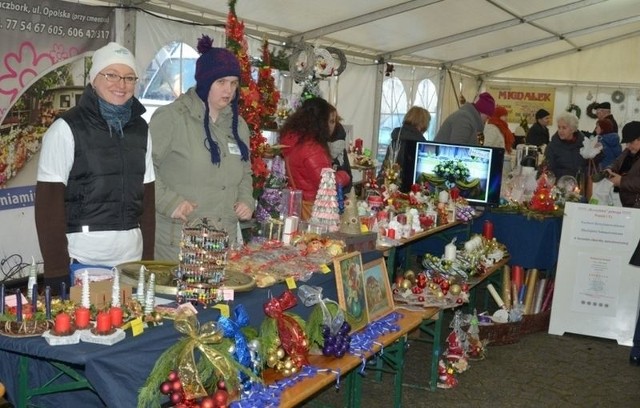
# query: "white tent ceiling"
491,39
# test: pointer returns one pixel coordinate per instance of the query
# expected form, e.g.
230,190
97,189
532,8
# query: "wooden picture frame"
378,291
351,289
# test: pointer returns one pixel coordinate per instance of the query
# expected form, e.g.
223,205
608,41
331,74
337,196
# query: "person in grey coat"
201,155
464,125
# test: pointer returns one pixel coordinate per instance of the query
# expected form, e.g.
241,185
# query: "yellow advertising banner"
523,101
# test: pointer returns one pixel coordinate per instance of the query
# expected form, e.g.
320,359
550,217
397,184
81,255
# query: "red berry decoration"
221,385
176,385
420,298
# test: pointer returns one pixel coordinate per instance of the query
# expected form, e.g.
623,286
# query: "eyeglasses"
129,79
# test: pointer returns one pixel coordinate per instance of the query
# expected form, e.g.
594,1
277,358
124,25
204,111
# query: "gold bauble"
280,353
288,364
286,372
411,275
406,284
276,342
272,360
455,289
440,295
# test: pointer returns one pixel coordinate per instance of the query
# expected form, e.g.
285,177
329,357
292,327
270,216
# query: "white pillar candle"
450,252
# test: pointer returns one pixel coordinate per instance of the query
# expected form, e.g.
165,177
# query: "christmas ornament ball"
166,387
207,402
221,397
176,398
406,284
176,385
455,289
173,375
411,275
221,385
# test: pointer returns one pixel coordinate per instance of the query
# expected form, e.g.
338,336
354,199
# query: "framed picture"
377,289
351,289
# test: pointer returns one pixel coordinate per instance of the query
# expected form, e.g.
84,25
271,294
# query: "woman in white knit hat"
95,194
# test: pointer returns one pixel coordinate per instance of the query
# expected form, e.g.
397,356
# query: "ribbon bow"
292,337
312,295
203,338
231,329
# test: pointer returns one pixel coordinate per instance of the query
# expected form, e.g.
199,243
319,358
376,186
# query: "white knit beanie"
112,53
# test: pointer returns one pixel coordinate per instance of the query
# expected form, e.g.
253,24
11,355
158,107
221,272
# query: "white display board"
596,290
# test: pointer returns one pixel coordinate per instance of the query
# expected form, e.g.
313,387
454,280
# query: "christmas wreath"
591,110
576,109
617,97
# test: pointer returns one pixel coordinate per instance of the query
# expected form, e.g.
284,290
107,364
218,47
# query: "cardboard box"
364,242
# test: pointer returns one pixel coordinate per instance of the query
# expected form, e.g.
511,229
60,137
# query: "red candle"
487,229
82,317
116,316
63,323
391,233
103,322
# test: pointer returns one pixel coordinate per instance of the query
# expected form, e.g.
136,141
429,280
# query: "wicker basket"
499,334
535,322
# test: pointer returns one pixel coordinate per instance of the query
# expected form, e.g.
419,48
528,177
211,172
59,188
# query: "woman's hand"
242,211
183,210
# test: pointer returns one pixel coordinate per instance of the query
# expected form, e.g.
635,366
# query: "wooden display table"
347,365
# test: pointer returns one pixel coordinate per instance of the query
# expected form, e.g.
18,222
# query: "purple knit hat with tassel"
213,64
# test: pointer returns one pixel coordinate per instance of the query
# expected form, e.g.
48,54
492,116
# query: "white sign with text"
596,289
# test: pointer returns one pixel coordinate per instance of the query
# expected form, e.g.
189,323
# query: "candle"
443,196
391,233
487,229
495,295
103,323
82,317
116,316
34,297
450,252
2,299
18,306
63,323
47,302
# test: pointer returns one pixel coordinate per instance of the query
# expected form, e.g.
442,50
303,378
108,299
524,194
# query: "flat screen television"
442,166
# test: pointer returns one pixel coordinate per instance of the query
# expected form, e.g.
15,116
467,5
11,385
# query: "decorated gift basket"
202,263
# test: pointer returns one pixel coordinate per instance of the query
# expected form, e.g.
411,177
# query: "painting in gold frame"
351,289
378,294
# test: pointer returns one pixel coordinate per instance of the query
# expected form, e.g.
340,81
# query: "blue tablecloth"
117,372
532,243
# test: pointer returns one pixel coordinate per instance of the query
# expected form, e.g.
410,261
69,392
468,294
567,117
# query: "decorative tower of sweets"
325,212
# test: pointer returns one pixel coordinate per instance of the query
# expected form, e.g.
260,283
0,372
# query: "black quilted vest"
106,182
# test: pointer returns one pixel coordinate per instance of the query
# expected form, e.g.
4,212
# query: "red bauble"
166,387
221,385
207,402
176,398
176,385
173,375
221,397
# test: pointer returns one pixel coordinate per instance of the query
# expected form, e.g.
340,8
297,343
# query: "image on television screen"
475,170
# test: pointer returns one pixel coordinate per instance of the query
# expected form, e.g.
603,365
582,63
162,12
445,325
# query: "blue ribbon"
231,329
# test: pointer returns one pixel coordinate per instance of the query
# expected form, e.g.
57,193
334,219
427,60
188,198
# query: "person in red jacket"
305,139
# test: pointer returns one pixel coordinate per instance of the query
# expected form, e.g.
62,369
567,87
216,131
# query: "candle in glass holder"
2,299
18,305
82,317
47,302
62,323
103,323
116,316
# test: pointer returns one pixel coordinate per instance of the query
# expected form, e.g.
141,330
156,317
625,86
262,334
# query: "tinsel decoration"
290,331
208,342
269,94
